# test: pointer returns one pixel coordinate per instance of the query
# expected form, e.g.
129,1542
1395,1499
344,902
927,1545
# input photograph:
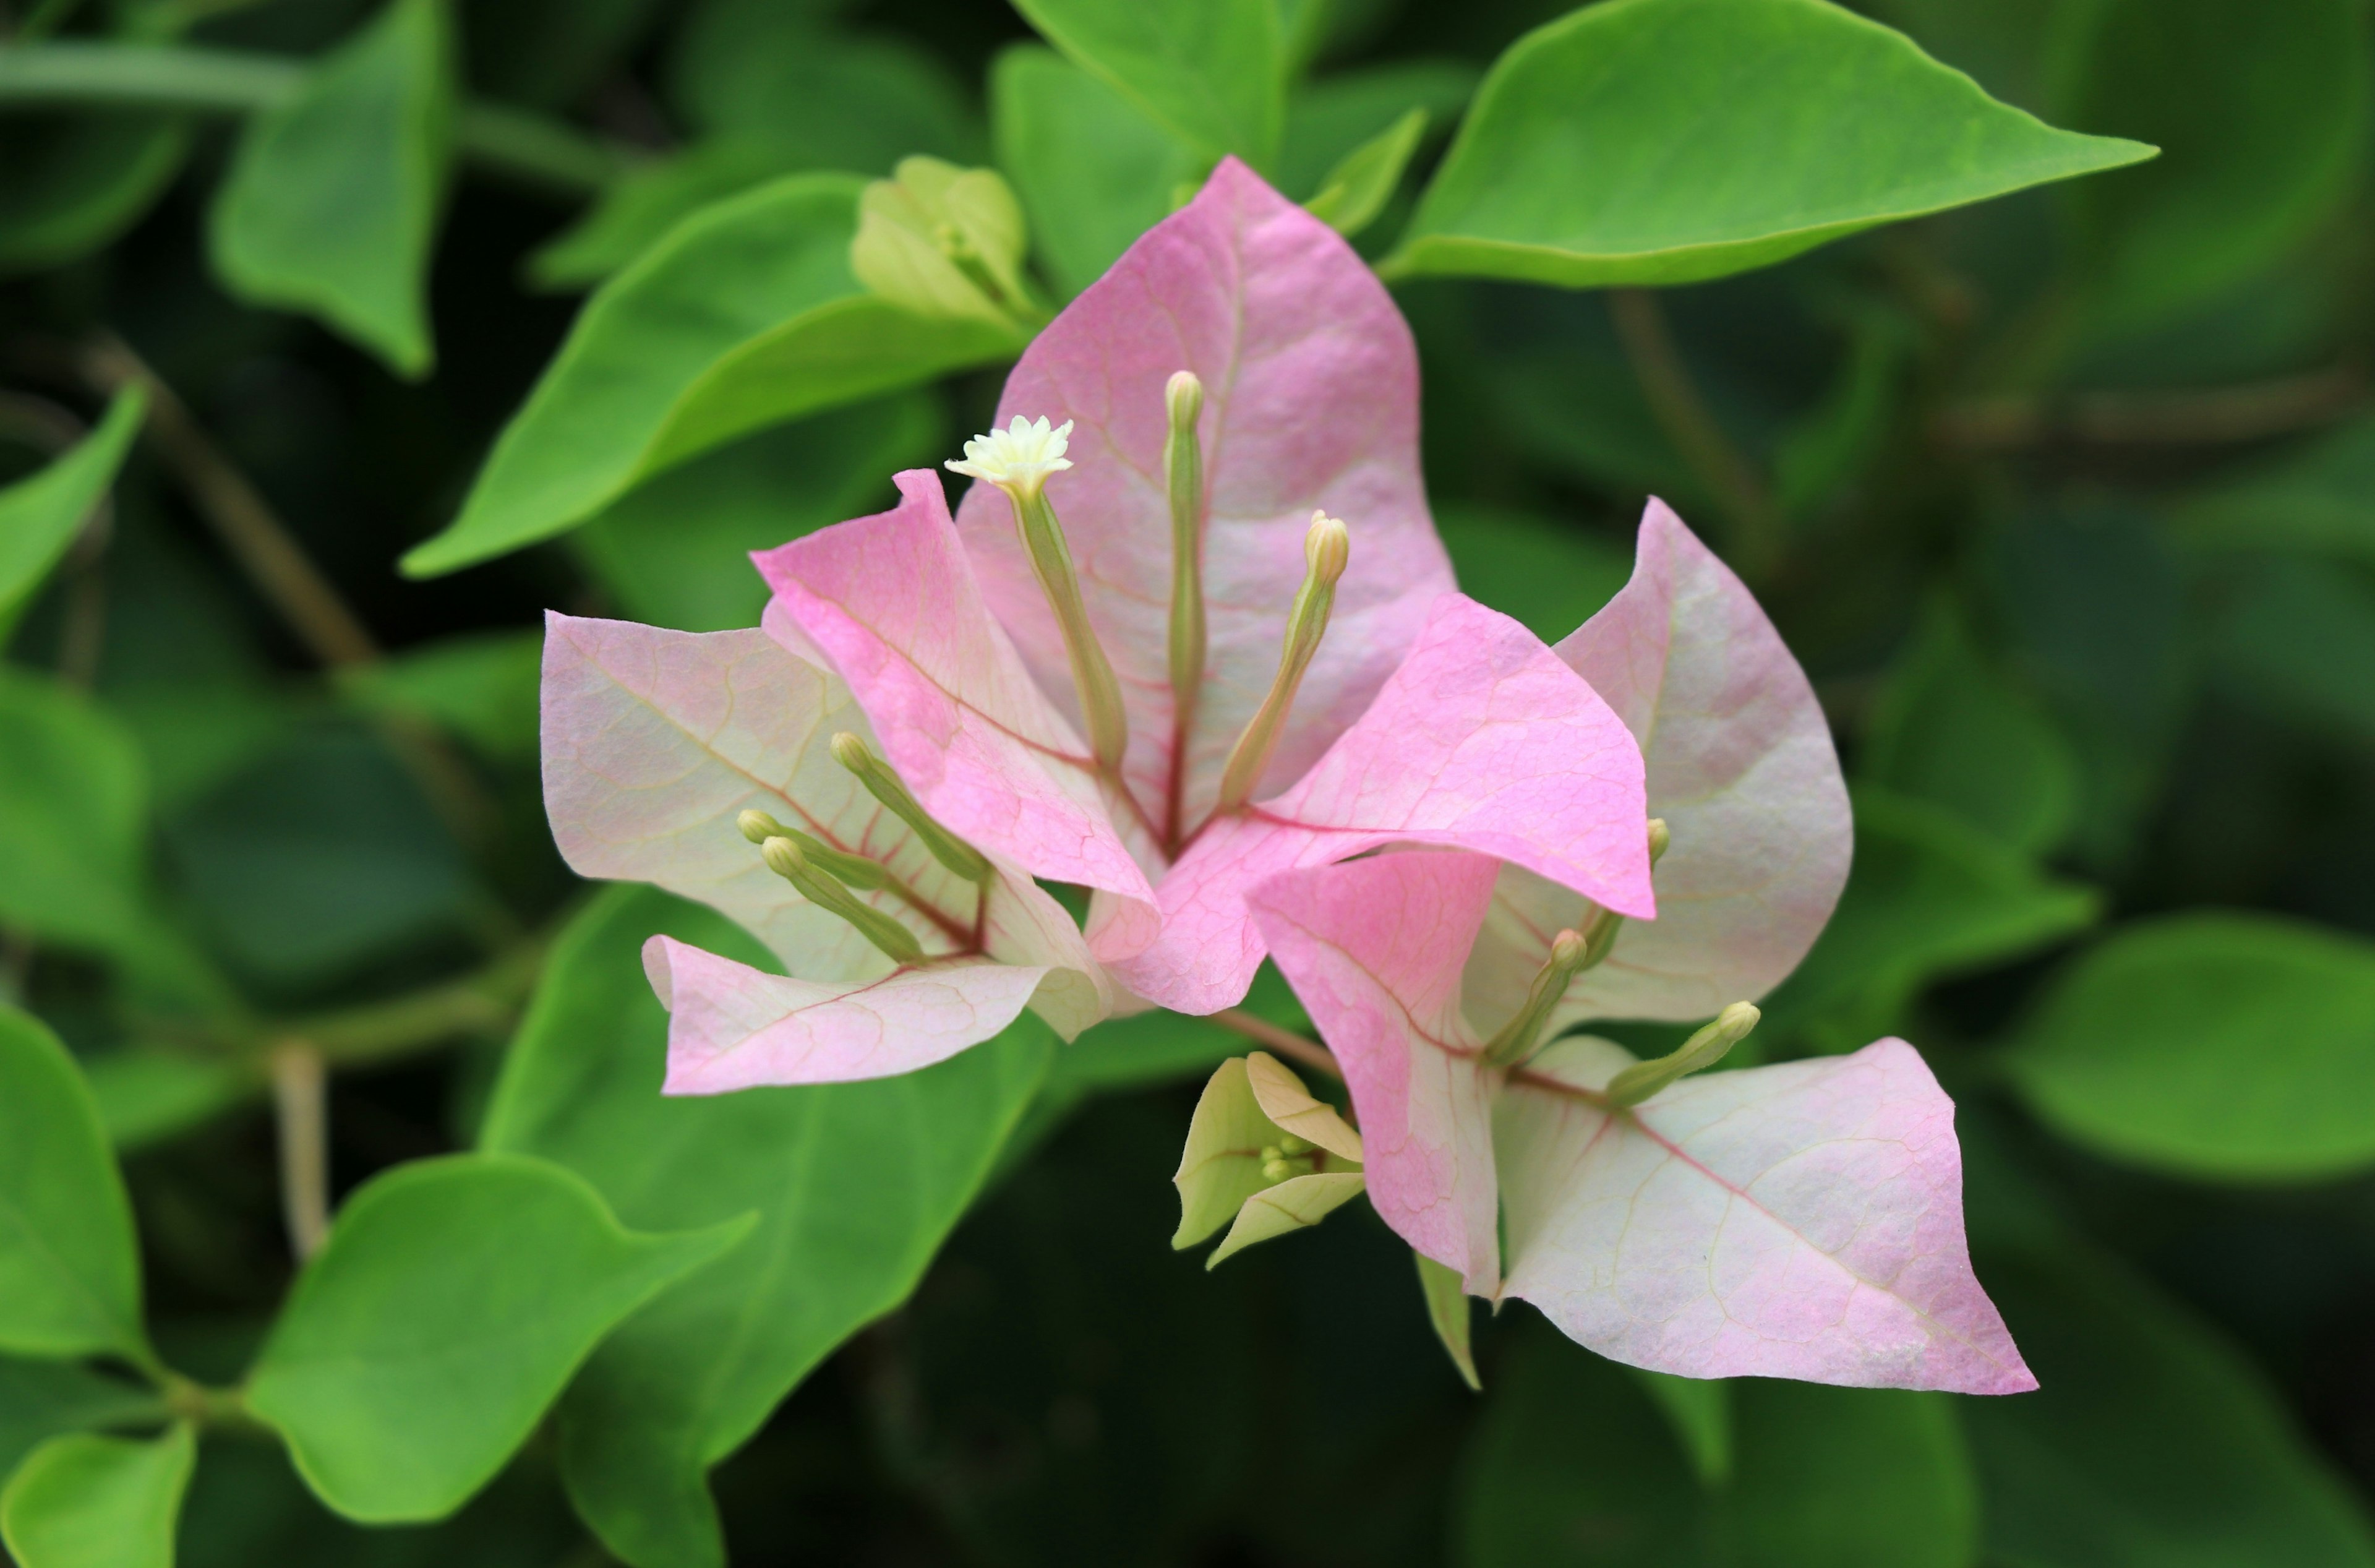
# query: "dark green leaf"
1327,119
88,1502
331,204
1574,1464
2150,1443
823,99
72,185
69,1266
1930,896
453,1301
2299,638
2224,1046
1213,71
2318,500
1550,578
746,315
147,1094
482,688
636,210
73,815
41,1399
675,551
1666,141
1948,728
41,515
856,1185
1093,172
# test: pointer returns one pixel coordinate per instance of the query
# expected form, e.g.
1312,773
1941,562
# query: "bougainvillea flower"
1797,1221
656,743
1083,696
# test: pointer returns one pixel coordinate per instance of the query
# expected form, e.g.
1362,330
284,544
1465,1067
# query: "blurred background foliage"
2066,500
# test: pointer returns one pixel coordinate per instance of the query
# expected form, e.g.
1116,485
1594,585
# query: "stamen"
1019,460
1570,957
1326,550
856,870
787,860
1704,1049
852,752
1183,474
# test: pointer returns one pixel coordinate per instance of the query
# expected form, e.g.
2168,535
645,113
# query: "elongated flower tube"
1326,549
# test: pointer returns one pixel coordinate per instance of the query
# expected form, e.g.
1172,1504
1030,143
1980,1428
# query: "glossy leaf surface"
88,1502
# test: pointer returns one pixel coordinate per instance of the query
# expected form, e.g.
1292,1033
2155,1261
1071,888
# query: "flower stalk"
851,751
786,859
1326,549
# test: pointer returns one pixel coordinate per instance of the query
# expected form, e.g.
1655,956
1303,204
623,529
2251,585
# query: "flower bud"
1704,1049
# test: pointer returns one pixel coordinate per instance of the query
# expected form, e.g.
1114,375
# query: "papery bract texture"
1310,401
1740,764
891,601
1482,739
1798,1221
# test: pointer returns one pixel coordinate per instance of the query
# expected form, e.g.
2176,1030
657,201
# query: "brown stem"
2211,416
301,1108
1673,397
1285,1042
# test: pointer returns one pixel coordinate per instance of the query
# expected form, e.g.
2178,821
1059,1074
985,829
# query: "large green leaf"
88,1502
1213,71
1666,141
74,184
39,515
331,204
676,551
1948,728
69,1265
856,1185
745,315
2150,1444
1574,1464
480,688
453,1301
2225,1046
1327,119
1093,172
41,1399
73,810
2262,112
1930,896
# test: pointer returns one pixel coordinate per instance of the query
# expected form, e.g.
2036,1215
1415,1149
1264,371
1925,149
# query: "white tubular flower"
1019,458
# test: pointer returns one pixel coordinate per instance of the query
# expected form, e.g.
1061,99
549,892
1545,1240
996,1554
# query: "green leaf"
147,1094
2224,1046
636,210
2297,637
856,1185
1668,141
69,1266
1573,1463
1449,1313
331,203
823,98
41,515
745,315
1930,896
2318,499
1551,579
1213,71
1699,1412
1327,120
2150,1442
74,184
88,1502
1092,171
1356,190
1948,728
480,688
41,1399
2263,111
675,551
73,815
449,1307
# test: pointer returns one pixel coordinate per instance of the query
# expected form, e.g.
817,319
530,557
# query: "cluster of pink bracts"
1799,1221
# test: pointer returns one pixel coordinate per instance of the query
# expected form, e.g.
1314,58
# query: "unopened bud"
1291,1146
1659,838
758,827
1568,949
851,751
786,859
1276,1170
1571,953
1713,1041
1182,399
1327,547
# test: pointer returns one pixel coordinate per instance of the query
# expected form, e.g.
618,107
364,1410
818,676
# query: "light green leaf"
1699,1412
1221,1168
1948,728
1092,171
73,813
1448,1315
41,1399
331,203
1667,141
1356,190
745,315
2298,638
1930,896
2318,499
480,688
449,1307
1213,71
88,1502
69,1266
72,184
643,204
39,515
147,1094
2150,1444
2222,1045
1549,578
1327,119
1573,1463
856,1185
1295,1204
2263,111
675,551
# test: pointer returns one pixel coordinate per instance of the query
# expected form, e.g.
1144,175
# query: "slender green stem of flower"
1183,474
1326,550
851,751
1704,1049
1571,955
786,859
1093,673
